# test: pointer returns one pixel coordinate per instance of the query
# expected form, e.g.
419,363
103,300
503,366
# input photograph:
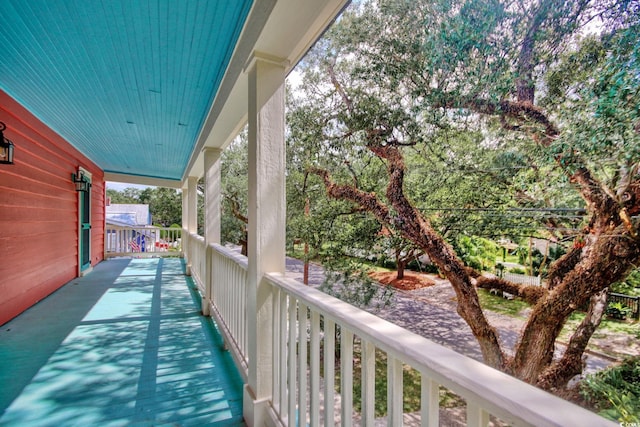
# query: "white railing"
196,260
226,285
522,278
304,324
142,241
229,296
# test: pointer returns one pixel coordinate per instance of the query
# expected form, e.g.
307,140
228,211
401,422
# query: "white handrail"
303,335
142,241
486,390
229,295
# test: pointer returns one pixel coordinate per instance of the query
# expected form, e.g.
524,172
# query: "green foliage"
615,392
477,252
493,105
630,286
349,281
165,205
129,195
618,310
235,184
595,90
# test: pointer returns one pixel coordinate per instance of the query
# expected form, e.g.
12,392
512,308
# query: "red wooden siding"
39,212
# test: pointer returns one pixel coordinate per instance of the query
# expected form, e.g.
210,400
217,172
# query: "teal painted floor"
123,346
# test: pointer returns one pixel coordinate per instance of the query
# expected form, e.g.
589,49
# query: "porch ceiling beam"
142,180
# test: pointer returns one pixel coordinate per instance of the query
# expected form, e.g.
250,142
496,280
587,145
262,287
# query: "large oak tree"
553,83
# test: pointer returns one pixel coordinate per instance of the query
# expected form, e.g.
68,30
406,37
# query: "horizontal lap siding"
39,212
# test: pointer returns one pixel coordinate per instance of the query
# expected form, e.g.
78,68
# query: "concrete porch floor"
124,345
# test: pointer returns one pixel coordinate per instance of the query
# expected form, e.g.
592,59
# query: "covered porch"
129,344
281,335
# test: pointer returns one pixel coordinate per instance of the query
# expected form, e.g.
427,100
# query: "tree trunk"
606,258
415,227
572,363
400,270
400,264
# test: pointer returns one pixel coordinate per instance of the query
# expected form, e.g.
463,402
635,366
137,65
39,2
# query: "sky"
119,186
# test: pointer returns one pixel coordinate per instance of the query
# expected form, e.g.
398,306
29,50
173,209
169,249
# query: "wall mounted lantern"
80,181
6,147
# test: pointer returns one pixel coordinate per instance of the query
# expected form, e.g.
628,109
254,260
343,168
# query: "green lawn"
411,387
515,308
497,304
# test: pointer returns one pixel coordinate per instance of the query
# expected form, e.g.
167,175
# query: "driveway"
430,312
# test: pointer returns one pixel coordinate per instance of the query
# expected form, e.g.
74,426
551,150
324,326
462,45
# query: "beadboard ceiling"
127,82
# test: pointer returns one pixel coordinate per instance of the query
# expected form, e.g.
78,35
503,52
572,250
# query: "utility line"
579,211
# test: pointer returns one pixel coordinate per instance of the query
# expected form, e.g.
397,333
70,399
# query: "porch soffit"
141,87
128,83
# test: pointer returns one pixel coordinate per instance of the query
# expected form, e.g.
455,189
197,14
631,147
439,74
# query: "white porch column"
185,208
212,194
266,228
212,215
184,238
192,203
189,217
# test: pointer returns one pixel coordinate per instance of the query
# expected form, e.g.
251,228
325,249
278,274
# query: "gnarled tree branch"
531,294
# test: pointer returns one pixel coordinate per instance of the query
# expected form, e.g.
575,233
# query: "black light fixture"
80,181
6,147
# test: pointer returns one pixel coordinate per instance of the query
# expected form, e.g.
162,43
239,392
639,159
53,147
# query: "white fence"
521,278
142,241
304,347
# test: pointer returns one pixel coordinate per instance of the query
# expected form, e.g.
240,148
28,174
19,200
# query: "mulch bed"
410,282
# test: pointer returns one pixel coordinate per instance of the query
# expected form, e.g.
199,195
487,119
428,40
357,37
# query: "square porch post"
266,228
192,204
189,217
185,208
212,215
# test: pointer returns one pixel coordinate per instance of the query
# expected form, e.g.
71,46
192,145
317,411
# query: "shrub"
430,268
629,286
615,392
414,265
618,310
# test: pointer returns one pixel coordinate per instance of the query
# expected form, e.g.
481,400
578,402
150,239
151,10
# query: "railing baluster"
302,364
476,416
292,360
282,381
277,355
346,376
329,371
368,366
430,401
394,391
314,381
156,241
293,402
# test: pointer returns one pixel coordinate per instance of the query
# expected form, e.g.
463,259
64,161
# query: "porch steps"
124,345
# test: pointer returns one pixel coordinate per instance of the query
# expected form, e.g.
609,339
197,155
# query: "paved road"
415,313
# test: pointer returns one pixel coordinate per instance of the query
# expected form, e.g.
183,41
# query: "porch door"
85,229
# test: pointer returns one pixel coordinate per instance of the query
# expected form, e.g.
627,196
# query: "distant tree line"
165,204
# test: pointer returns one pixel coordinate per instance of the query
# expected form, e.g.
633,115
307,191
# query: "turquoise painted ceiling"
127,82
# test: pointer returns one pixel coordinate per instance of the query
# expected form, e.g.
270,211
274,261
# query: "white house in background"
132,215
128,227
